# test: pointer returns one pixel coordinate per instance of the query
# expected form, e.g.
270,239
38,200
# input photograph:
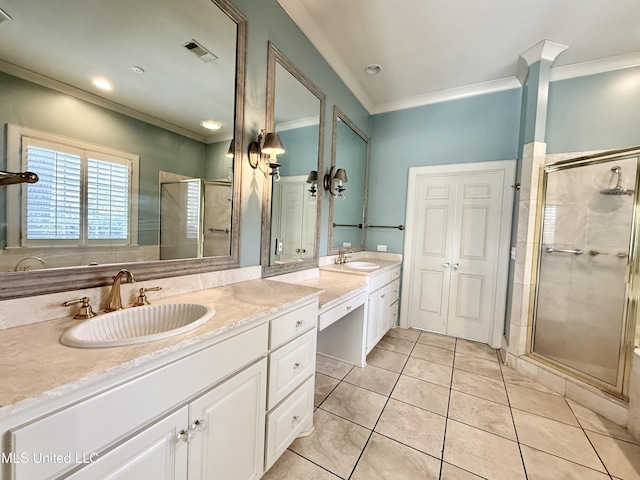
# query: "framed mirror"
291,204
128,112
348,198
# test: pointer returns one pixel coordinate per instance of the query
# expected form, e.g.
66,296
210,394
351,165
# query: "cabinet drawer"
291,324
290,365
339,311
102,420
394,291
378,281
286,422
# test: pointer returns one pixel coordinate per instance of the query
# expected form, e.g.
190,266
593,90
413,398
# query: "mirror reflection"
348,197
129,129
291,241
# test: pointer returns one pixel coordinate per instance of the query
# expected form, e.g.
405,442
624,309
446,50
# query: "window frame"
17,196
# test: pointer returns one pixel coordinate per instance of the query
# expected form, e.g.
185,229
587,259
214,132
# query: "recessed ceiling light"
211,125
102,84
138,69
373,69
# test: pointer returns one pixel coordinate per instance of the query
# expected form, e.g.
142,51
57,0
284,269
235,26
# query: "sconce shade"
313,177
341,175
230,152
272,144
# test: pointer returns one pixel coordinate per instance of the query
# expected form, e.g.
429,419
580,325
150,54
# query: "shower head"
617,190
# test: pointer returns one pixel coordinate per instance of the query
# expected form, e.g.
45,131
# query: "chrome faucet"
115,300
342,256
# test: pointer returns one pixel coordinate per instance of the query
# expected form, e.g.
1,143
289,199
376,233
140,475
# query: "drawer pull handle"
299,323
297,365
348,308
295,419
185,435
199,425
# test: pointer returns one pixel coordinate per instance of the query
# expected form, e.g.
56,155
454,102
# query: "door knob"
446,264
456,266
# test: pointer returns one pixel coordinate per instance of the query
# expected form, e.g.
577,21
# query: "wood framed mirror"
291,205
348,208
185,67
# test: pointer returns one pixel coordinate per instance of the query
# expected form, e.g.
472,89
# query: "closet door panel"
474,255
431,269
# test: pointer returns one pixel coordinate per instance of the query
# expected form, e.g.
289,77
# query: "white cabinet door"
231,418
373,318
155,453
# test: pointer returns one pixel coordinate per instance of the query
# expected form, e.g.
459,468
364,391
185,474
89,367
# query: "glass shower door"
582,289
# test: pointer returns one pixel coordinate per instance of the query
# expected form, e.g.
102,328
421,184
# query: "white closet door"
476,238
433,221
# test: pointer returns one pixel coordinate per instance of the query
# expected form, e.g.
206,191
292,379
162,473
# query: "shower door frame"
630,321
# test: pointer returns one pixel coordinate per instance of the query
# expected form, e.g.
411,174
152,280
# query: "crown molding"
308,27
448,95
593,67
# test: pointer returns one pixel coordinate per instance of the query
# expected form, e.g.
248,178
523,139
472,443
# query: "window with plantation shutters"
85,194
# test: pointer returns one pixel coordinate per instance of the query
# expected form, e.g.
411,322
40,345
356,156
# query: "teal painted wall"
597,112
475,129
269,22
301,156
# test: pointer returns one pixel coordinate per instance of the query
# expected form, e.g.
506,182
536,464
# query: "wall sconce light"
339,178
313,180
271,146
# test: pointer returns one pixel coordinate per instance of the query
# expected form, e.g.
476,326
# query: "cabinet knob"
199,425
297,365
349,308
383,295
295,419
299,323
185,435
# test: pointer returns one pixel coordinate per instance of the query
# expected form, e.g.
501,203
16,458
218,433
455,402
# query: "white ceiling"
73,41
433,50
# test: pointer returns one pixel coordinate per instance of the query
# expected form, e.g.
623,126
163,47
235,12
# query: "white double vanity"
223,400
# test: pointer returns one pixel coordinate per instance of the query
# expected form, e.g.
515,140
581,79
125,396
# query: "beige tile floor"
432,407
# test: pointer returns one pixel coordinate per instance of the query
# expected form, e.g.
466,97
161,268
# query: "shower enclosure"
195,219
584,309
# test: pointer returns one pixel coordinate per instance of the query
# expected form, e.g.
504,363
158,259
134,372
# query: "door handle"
456,266
446,264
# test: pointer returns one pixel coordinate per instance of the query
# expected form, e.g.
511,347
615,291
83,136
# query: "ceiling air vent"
199,51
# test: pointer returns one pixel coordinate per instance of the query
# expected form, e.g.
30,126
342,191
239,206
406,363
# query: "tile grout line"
588,439
524,467
446,420
316,464
379,416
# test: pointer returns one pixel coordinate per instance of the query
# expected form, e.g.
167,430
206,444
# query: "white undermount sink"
137,325
362,265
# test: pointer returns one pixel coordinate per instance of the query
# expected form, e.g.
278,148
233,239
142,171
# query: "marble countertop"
35,366
384,265
339,282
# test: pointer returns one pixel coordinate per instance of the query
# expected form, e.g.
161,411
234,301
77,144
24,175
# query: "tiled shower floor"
432,407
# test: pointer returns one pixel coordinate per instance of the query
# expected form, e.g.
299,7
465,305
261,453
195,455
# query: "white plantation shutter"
82,197
107,200
54,203
193,208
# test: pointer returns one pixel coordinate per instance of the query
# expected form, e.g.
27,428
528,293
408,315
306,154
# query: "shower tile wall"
581,298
